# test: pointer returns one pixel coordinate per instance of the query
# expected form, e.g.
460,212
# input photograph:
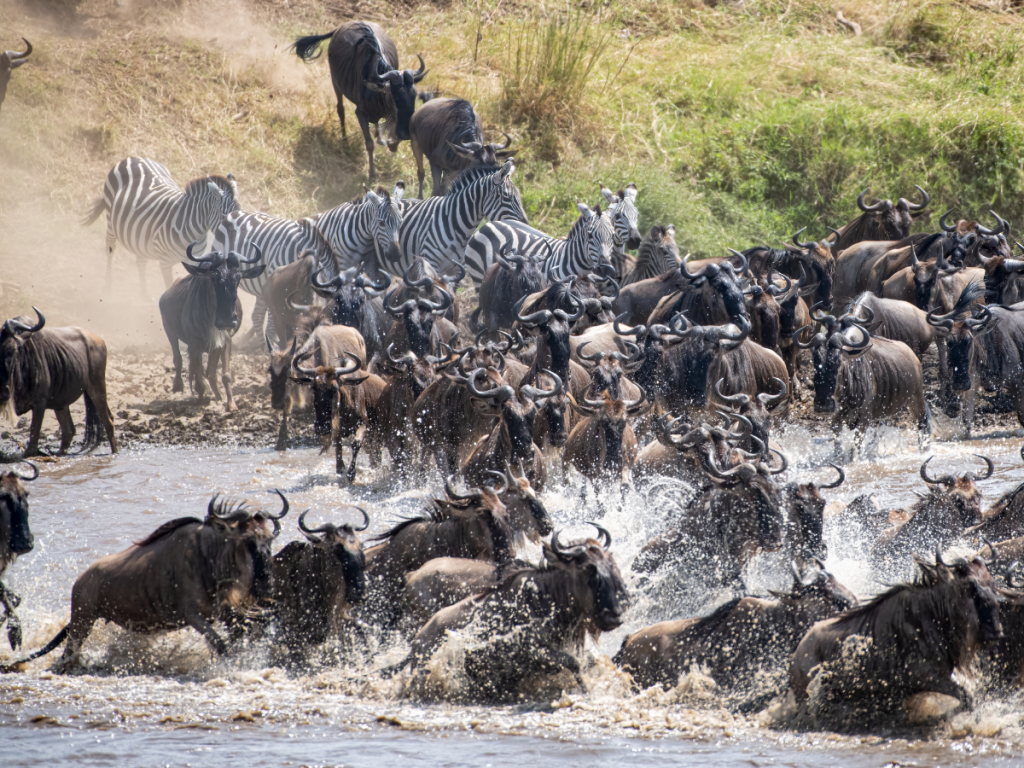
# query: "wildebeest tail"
308,48
98,208
60,638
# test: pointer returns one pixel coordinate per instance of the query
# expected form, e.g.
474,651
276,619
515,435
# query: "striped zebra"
439,228
622,208
154,218
365,230
282,241
588,245
658,254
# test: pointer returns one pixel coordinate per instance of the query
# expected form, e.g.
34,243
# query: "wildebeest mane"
167,528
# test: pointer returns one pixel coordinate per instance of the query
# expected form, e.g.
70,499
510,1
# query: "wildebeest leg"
282,434
78,631
67,429
357,443
199,623
418,154
96,403
552,660
341,113
436,172
37,426
195,374
10,601
212,360
225,378
179,385
364,124
339,458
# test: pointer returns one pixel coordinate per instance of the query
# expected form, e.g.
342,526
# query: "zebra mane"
470,175
199,183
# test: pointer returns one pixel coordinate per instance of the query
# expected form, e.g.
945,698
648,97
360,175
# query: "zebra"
438,229
365,231
154,218
587,246
624,213
282,241
658,254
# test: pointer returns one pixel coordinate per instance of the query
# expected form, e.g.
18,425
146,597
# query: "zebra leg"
364,124
165,270
418,154
259,315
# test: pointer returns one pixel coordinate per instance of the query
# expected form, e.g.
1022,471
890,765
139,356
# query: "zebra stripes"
439,228
154,218
588,244
622,208
364,231
658,254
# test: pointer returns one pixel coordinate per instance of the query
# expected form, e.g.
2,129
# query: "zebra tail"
95,212
308,48
60,638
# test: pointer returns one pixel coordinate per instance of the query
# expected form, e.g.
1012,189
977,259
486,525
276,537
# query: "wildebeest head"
13,335
554,324
9,61
653,341
953,502
517,410
346,294
724,279
402,88
829,352
624,214
526,512
606,368
248,542
973,584
553,407
818,259
612,414
417,314
756,411
15,535
416,373
961,329
595,579
478,153
881,220
806,516
224,273
748,496
327,383
817,585
342,544
689,361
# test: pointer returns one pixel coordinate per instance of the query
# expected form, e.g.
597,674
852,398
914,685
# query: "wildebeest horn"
501,393
256,258
501,476
1001,227
732,342
506,145
856,346
773,289
877,206
915,206
837,483
634,353
942,221
297,308
401,362
539,394
577,314
988,461
325,528
748,426
372,288
211,507
939,321
35,470
744,264
944,480
535,318
423,282
806,246
16,326
420,73
770,401
638,331
439,306
782,457
938,557
992,549
401,308
343,369
210,258
603,534
509,258
296,364
17,59
456,279
330,284
813,342
284,509
473,493
741,398
633,404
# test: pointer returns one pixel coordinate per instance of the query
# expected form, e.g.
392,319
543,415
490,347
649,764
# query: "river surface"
164,701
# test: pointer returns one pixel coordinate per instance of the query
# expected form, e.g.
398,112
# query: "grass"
739,125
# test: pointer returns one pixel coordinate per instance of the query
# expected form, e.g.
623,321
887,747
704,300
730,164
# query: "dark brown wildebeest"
880,221
450,133
805,518
339,403
756,409
15,539
744,638
653,341
352,300
49,369
608,365
602,444
854,264
187,573
507,280
287,292
534,623
203,311
1005,518
553,326
415,328
364,70
863,380
952,504
712,296
894,320
1004,277
511,438
316,582
9,61
916,634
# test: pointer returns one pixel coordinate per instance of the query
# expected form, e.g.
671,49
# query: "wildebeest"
15,539
880,221
805,518
352,300
953,503
602,444
894,320
510,278
450,133
712,296
864,380
339,403
187,573
415,326
287,293
914,636
534,623
364,70
203,311
1005,518
9,61
49,369
315,583
755,409
741,641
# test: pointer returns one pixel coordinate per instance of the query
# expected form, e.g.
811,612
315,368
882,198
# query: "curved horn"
637,331
423,282
284,508
782,457
501,476
211,507
256,258
343,369
296,364
862,344
213,256
602,534
915,206
35,472
837,483
330,284
534,393
473,493
806,246
770,401
296,308
740,399
17,326
944,480
310,531
878,206
535,318
744,264
401,309
942,221
796,338
594,358
988,462
501,393
440,306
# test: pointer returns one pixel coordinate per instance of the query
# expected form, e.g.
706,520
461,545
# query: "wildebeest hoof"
282,445
230,407
14,632
178,386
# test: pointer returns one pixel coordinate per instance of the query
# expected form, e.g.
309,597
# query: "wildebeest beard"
613,432
324,397
20,539
353,568
263,573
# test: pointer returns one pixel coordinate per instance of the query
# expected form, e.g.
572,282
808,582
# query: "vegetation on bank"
738,122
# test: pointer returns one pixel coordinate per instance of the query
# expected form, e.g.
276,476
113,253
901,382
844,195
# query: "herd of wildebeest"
580,360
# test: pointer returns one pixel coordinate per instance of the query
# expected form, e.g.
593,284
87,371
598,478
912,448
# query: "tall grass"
549,66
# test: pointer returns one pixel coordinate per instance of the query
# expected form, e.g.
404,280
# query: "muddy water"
144,701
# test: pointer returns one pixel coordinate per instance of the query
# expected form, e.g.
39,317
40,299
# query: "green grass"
738,125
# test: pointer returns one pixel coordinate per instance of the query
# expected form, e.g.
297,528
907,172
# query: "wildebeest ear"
256,271
192,269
